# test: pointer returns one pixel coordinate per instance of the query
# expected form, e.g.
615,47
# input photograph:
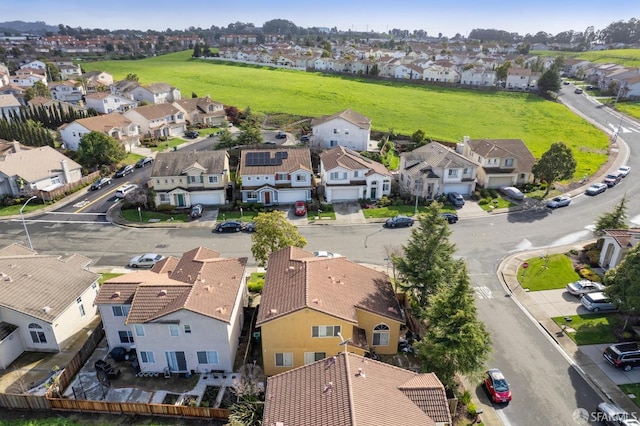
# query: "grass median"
547,273
591,329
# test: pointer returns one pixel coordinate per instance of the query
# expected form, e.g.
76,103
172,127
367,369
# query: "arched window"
36,335
381,335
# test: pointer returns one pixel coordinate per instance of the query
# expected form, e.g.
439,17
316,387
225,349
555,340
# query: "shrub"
384,201
472,410
588,274
593,256
465,398
256,286
164,208
484,201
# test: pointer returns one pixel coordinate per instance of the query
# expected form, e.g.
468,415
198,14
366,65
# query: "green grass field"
443,113
627,57
547,274
591,329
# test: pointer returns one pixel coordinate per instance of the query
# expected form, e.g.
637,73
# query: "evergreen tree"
616,219
557,163
623,285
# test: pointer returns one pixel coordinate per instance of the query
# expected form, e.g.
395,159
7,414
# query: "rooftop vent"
361,373
115,295
46,309
273,311
220,310
162,293
328,388
207,288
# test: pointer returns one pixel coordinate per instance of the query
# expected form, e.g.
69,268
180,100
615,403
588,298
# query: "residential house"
23,171
503,162
348,176
518,78
156,121
478,76
185,178
35,64
9,106
70,91
115,125
439,73
348,389
434,169
576,68
185,314
310,305
17,91
347,128
97,81
202,111
616,244
45,300
106,102
156,93
70,71
27,79
276,176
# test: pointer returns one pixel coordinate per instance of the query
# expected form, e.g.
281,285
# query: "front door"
180,199
267,198
176,361
373,193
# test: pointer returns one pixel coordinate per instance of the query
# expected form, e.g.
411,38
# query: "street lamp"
25,223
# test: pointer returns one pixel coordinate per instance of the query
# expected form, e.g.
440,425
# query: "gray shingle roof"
175,163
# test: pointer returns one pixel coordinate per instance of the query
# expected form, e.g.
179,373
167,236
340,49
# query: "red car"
497,386
300,208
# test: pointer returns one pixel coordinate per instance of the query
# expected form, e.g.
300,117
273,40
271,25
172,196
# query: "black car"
451,217
125,170
249,227
144,162
623,355
229,226
304,138
281,135
192,134
398,221
100,183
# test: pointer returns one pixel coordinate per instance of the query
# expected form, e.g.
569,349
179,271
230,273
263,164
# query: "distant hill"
20,27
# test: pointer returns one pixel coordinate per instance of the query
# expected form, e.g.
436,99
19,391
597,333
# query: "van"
611,414
613,178
125,189
597,301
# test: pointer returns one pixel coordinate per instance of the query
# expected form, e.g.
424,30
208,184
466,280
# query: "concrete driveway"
617,375
556,303
348,212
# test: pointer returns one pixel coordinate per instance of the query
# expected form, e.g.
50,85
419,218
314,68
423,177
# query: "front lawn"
324,215
498,202
14,210
107,276
133,215
591,329
168,145
245,216
390,211
547,273
632,388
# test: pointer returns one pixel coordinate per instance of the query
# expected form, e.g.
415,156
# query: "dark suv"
623,355
456,199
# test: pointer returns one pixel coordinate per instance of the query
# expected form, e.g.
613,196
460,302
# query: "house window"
187,329
55,180
213,179
310,357
174,331
120,311
453,172
208,357
36,335
192,179
248,177
139,329
386,185
125,336
325,330
164,198
95,287
81,309
252,195
466,171
258,178
335,131
282,176
147,357
381,335
338,175
356,173
284,359
508,162
301,178
333,143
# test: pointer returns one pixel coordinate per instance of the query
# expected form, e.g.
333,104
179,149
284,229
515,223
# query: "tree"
38,89
132,77
427,262
455,340
249,134
549,82
418,136
246,413
623,285
616,219
555,164
96,149
273,232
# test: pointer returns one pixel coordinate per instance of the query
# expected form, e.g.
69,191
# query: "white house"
184,178
45,300
184,314
616,244
203,111
115,125
70,91
161,120
518,78
106,103
156,93
347,128
24,170
348,176
9,106
276,176
434,169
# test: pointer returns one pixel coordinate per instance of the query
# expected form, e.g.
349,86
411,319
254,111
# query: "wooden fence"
24,402
76,363
58,193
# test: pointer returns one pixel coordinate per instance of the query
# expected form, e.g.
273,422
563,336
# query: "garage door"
207,198
460,189
290,197
496,182
343,194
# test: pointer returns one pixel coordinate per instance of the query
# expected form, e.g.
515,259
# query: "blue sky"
458,16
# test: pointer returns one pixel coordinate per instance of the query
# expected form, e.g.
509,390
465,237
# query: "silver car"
512,192
582,287
146,260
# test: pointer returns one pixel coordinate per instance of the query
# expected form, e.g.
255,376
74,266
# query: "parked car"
146,260
249,227
144,162
100,183
612,415
450,217
196,211
125,170
125,189
623,355
589,87
304,138
192,134
578,91
398,221
582,287
596,188
597,301
612,178
456,199
512,192
229,226
281,135
497,386
624,170
323,253
560,201
300,208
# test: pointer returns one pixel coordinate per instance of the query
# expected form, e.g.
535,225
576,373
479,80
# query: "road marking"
81,203
99,198
483,292
67,213
82,222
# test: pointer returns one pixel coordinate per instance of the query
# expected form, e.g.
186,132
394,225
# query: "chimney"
65,170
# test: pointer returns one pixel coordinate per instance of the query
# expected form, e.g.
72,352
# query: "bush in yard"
593,256
384,201
256,286
588,274
165,208
484,201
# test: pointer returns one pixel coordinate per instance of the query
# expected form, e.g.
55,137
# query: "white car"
582,287
146,260
560,201
323,253
512,192
624,170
